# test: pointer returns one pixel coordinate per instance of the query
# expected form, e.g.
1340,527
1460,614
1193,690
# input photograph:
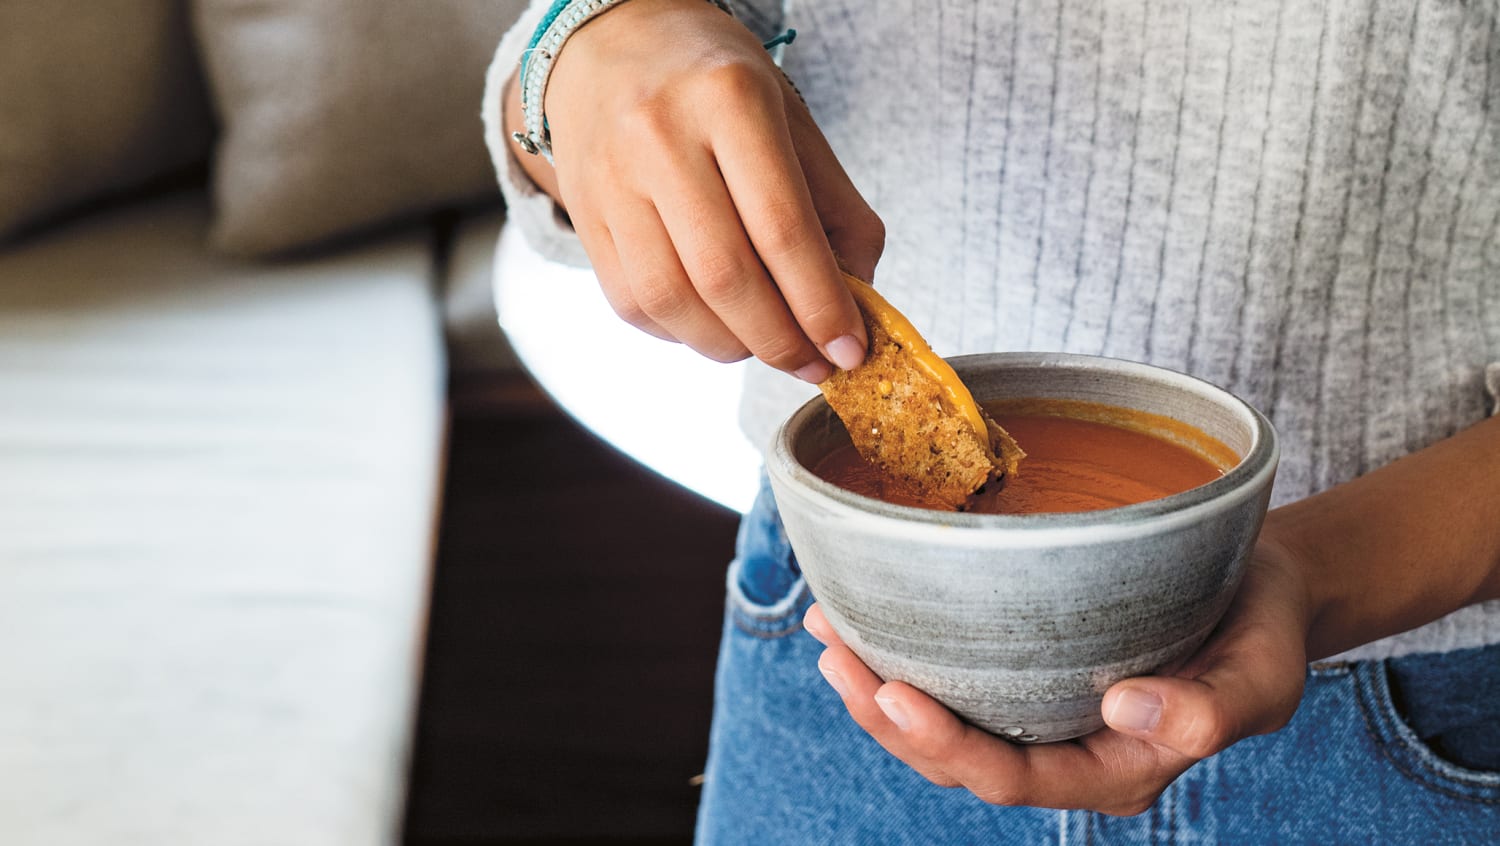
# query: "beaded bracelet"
561,20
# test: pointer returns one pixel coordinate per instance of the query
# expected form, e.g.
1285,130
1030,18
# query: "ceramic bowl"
1020,623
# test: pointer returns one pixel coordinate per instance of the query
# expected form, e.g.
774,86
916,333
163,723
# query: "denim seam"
1395,747
769,626
766,622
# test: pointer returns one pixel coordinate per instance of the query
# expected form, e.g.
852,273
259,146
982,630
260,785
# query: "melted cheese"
960,401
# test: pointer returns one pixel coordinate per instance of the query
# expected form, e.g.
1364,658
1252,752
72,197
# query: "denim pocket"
1410,734
767,595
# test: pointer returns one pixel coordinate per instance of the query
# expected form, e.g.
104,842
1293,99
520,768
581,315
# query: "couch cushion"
95,98
342,114
217,494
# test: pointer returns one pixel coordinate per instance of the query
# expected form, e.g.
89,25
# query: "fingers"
726,273
769,188
817,625
1107,771
1247,679
700,133
858,687
614,282
659,288
854,231
686,269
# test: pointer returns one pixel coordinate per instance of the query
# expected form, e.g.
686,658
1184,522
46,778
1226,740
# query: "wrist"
536,168
562,21
1282,551
1400,546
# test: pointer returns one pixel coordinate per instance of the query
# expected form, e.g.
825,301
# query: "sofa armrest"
218,486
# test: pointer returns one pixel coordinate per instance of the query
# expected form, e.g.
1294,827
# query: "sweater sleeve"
541,221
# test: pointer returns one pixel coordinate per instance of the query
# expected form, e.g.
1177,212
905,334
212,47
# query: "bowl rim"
1246,478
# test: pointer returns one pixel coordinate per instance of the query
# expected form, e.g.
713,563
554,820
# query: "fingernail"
894,712
1135,710
814,373
835,681
846,351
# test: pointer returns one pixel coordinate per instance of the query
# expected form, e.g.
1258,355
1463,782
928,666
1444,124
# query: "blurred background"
296,547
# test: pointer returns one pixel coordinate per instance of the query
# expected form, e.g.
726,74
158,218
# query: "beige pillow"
339,115
95,98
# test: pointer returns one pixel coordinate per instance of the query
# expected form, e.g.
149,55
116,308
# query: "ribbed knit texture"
1296,200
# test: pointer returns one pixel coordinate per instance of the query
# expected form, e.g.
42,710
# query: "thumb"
1239,693
1247,679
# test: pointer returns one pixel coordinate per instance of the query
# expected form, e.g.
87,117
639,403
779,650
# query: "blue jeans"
1399,751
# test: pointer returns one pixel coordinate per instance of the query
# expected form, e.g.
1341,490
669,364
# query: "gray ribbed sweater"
1297,200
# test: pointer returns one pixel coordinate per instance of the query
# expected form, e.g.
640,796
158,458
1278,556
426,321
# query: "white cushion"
217,493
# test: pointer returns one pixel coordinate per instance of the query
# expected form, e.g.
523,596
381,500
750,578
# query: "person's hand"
710,205
1330,572
1247,679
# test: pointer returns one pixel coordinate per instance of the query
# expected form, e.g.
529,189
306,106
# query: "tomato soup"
1080,456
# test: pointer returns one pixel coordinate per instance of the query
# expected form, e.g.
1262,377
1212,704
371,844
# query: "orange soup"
1079,457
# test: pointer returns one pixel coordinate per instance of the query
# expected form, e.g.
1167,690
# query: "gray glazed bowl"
1020,623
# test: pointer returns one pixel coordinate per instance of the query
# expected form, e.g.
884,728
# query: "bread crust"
907,412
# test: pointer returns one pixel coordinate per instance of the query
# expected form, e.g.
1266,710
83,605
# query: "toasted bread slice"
909,414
